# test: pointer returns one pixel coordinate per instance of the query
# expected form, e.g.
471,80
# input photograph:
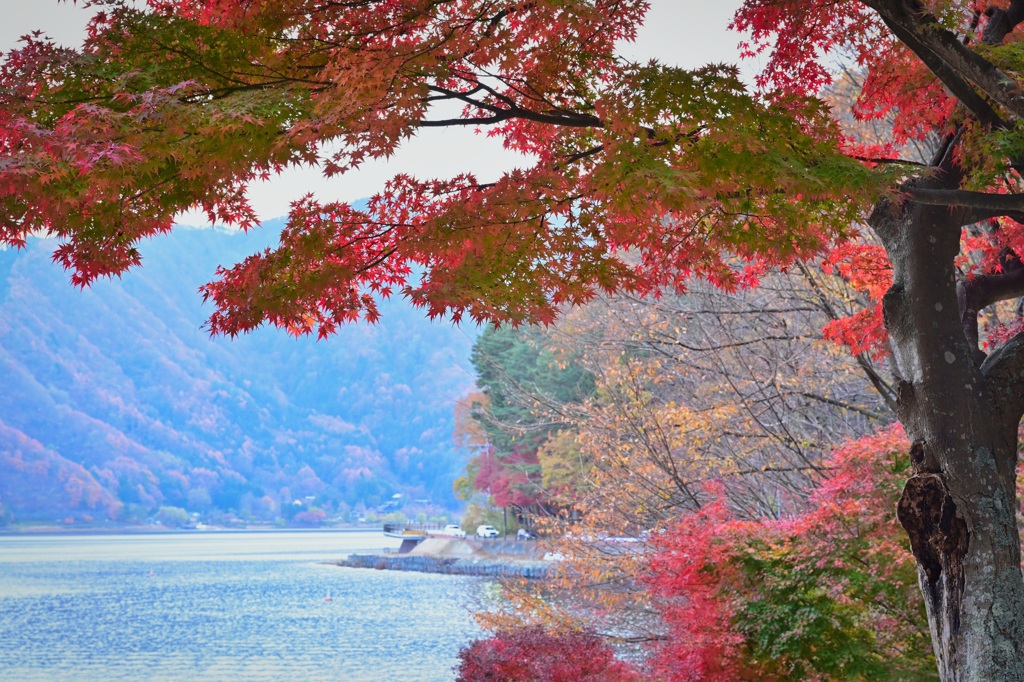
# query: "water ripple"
210,618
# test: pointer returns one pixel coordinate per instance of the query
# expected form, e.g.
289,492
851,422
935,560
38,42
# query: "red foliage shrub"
828,594
534,655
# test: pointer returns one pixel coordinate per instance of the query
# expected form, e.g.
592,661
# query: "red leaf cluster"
640,176
848,539
531,654
511,479
866,268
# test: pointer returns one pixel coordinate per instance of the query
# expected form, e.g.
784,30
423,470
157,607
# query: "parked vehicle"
525,534
452,531
487,532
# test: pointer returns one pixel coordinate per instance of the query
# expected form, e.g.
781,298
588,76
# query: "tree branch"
977,215
1002,21
1004,371
569,119
993,204
932,46
989,289
977,293
958,67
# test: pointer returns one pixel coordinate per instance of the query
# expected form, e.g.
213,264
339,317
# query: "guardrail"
409,530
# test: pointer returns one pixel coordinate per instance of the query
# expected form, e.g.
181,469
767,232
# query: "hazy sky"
688,33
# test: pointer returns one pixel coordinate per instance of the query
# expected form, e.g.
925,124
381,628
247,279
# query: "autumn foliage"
512,425
640,180
827,594
761,560
534,655
183,104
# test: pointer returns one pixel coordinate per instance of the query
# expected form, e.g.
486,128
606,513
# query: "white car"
486,532
452,531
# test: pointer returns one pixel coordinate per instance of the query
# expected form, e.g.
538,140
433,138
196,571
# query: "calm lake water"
223,606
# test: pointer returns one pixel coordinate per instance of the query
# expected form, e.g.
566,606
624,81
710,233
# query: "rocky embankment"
458,556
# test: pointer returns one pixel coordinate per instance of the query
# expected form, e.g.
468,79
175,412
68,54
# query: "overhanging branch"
992,204
507,109
957,86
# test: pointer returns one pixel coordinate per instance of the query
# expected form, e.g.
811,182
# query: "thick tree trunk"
962,528
959,507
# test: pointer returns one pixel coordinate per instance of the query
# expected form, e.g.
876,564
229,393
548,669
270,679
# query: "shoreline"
157,530
457,556
534,570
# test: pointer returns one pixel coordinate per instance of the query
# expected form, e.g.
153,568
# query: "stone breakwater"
458,556
449,565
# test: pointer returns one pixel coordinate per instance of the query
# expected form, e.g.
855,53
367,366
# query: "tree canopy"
182,104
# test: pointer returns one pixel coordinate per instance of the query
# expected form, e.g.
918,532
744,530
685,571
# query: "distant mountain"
116,402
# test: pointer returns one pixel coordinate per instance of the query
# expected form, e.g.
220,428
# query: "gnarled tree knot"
923,459
938,537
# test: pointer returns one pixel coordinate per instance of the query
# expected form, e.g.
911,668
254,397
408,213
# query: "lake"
224,606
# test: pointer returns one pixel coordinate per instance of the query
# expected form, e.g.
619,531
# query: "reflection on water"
222,606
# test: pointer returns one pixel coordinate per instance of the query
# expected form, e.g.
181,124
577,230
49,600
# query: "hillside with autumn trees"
116,402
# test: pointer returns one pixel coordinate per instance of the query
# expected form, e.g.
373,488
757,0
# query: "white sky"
688,33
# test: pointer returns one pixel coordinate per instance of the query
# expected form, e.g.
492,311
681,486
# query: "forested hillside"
116,401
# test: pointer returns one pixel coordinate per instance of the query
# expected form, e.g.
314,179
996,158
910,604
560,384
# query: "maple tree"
944,70
643,177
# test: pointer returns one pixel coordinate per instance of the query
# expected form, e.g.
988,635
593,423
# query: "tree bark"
959,507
